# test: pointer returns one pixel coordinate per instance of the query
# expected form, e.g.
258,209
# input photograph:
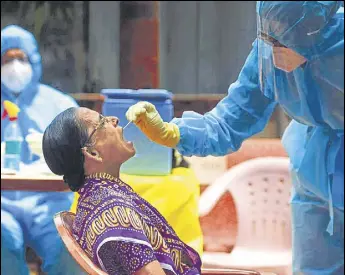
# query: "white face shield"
272,58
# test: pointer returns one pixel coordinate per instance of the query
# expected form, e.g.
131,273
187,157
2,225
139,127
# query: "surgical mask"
286,59
16,75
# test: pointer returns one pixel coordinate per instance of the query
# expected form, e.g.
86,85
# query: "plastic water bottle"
13,145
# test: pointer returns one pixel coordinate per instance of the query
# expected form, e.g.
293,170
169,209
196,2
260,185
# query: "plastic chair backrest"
261,190
64,222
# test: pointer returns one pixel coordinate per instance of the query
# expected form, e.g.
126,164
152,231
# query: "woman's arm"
126,257
152,268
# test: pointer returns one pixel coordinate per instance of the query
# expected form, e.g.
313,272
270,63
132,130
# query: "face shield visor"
290,34
275,59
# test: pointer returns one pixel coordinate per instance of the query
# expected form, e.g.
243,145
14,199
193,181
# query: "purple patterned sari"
122,232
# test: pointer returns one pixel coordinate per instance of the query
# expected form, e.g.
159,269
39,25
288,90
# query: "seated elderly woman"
120,231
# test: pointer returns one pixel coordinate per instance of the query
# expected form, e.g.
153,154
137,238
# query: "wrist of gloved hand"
171,136
168,134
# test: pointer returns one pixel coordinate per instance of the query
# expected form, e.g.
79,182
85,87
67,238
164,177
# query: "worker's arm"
244,112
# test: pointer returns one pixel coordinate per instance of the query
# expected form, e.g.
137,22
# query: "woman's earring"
88,150
95,154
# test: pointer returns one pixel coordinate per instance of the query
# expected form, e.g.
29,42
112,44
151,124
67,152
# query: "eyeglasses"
270,40
103,120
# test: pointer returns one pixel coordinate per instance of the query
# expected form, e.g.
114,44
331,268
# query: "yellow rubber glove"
145,116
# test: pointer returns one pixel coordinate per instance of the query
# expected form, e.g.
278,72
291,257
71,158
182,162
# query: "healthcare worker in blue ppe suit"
27,217
297,61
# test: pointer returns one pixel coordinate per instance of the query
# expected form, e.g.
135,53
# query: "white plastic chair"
261,189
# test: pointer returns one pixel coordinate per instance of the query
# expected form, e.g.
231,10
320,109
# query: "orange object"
139,62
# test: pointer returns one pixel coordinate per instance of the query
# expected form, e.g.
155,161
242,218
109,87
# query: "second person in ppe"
27,217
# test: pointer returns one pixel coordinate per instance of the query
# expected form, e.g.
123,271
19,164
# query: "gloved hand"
145,116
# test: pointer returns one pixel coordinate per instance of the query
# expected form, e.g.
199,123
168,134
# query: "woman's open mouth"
126,141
